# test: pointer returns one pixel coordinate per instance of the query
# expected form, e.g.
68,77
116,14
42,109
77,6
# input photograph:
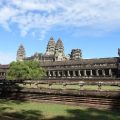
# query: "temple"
21,53
54,52
73,67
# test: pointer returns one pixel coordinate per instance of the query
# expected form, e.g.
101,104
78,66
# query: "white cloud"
43,15
6,58
5,14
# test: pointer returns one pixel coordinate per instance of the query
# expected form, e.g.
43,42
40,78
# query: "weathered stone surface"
21,53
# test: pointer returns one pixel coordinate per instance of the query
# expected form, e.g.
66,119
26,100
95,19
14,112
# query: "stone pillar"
4,74
91,73
103,72
49,75
97,72
110,72
63,73
54,74
79,74
1,74
68,73
85,74
74,75
58,73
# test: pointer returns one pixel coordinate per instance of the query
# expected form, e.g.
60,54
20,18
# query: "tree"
24,70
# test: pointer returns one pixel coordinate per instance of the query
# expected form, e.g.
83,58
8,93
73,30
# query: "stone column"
79,74
68,73
54,74
103,72
58,73
49,75
110,72
91,73
1,73
97,72
74,75
85,74
63,73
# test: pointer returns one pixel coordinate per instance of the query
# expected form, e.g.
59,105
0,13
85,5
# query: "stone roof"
4,66
40,56
81,61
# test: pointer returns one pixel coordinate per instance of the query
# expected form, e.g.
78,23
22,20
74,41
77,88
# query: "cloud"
6,58
43,15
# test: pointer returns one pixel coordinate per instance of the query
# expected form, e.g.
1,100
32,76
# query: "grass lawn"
16,110
85,87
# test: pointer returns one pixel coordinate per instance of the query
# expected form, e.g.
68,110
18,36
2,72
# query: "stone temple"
73,67
21,53
54,52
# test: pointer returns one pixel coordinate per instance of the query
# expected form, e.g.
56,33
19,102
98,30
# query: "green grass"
16,110
85,87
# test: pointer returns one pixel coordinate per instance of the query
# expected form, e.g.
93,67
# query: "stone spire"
59,50
76,54
20,53
50,47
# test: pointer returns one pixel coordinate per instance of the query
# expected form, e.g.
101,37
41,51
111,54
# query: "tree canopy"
24,70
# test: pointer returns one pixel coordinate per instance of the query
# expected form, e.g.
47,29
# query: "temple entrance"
71,73
65,73
82,73
94,73
106,72
76,73
88,73
100,72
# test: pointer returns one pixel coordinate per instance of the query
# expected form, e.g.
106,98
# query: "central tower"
59,51
50,47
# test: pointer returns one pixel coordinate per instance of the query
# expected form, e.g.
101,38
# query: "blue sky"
90,25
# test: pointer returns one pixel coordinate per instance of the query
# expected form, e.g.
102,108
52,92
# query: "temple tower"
76,54
59,51
20,53
50,47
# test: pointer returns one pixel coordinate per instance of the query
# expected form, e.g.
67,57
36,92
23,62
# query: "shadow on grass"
88,114
10,90
8,113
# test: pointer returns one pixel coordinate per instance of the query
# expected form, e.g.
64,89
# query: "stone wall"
78,69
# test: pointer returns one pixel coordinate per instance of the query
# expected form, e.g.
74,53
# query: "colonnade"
75,73
80,73
2,74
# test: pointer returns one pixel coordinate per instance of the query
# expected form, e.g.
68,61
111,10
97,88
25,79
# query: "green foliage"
24,70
